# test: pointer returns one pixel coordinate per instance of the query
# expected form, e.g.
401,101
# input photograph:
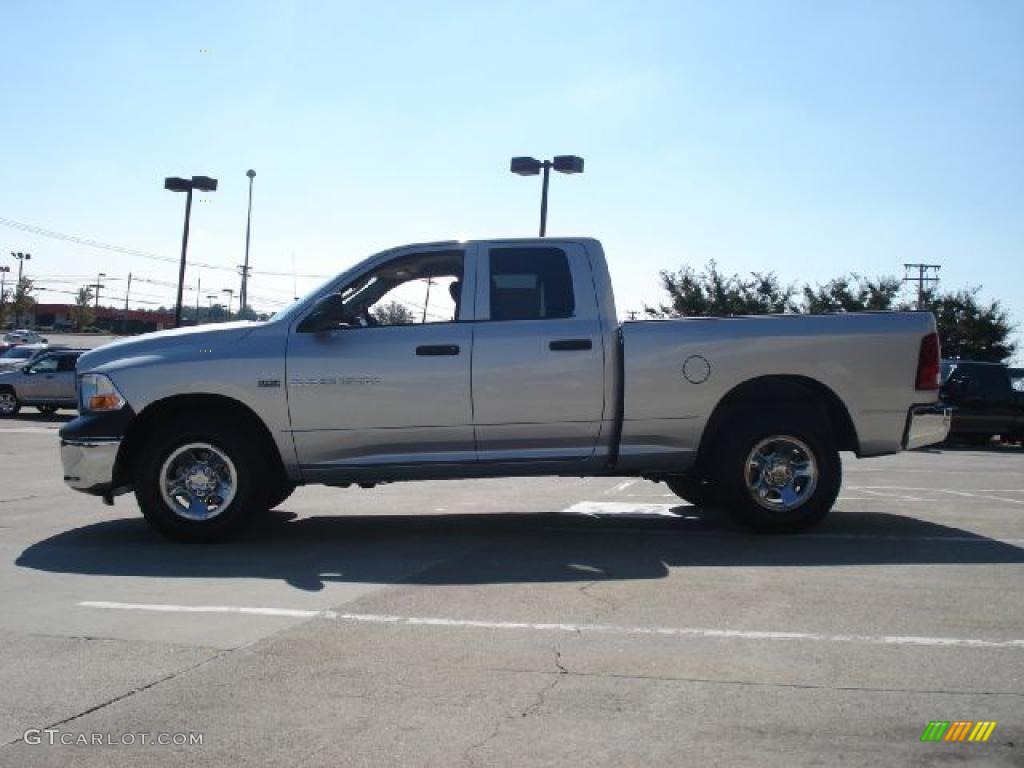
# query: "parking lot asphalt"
516,622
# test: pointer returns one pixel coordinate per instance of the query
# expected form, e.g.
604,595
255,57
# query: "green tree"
852,293
712,293
5,305
246,313
82,313
970,329
23,299
393,313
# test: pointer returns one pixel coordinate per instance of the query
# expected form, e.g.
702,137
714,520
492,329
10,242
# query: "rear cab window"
530,284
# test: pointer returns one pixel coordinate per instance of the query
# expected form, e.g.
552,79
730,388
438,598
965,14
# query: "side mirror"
327,313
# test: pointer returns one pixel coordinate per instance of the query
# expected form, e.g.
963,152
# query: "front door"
390,385
43,381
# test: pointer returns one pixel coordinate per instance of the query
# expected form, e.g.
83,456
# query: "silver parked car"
21,355
48,383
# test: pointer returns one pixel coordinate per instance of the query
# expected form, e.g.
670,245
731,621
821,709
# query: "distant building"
107,318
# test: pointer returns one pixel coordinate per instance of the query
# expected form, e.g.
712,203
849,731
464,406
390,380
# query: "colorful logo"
958,730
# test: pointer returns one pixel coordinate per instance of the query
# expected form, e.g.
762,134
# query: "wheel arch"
160,411
780,391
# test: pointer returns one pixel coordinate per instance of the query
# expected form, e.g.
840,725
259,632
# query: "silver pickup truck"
496,358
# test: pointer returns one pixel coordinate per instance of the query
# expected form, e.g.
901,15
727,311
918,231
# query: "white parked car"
23,336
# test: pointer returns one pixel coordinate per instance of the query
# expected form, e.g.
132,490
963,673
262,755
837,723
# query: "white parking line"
623,509
620,487
888,495
683,632
986,496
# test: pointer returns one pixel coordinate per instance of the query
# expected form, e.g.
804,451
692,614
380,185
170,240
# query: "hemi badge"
268,382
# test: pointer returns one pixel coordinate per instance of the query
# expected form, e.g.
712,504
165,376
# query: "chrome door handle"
434,350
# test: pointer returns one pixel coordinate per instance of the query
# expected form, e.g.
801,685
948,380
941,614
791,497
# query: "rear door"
64,386
538,356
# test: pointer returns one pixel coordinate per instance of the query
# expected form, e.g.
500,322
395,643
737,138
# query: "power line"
32,229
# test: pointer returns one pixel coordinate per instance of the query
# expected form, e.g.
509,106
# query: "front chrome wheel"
781,473
198,481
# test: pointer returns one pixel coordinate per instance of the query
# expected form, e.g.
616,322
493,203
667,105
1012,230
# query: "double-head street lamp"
530,166
22,258
177,184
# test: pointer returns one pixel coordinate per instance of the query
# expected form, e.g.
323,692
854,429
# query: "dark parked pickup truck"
985,399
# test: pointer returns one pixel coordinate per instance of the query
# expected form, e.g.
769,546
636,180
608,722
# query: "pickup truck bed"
491,358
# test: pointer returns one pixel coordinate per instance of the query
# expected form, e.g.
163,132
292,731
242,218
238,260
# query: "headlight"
96,392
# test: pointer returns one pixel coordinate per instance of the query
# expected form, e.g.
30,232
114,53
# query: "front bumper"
89,464
927,425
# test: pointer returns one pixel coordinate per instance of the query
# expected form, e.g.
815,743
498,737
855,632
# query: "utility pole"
426,301
927,277
199,292
124,319
99,285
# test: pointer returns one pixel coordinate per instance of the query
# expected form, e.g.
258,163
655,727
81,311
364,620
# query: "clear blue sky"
810,138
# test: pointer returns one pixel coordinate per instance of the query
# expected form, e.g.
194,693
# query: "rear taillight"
928,362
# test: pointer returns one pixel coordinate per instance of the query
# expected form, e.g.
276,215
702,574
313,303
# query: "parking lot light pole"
178,184
530,166
244,296
3,284
231,295
22,258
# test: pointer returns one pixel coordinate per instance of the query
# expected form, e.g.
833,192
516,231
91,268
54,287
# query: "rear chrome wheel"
777,472
781,473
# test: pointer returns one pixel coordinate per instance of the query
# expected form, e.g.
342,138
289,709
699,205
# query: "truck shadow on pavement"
467,549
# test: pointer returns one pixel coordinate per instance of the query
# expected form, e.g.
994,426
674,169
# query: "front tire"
778,473
199,479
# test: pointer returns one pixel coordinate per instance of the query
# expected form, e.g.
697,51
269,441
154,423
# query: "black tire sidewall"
742,435
692,489
250,467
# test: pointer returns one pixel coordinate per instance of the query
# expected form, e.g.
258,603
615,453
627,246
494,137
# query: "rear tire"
9,405
779,472
695,490
200,479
